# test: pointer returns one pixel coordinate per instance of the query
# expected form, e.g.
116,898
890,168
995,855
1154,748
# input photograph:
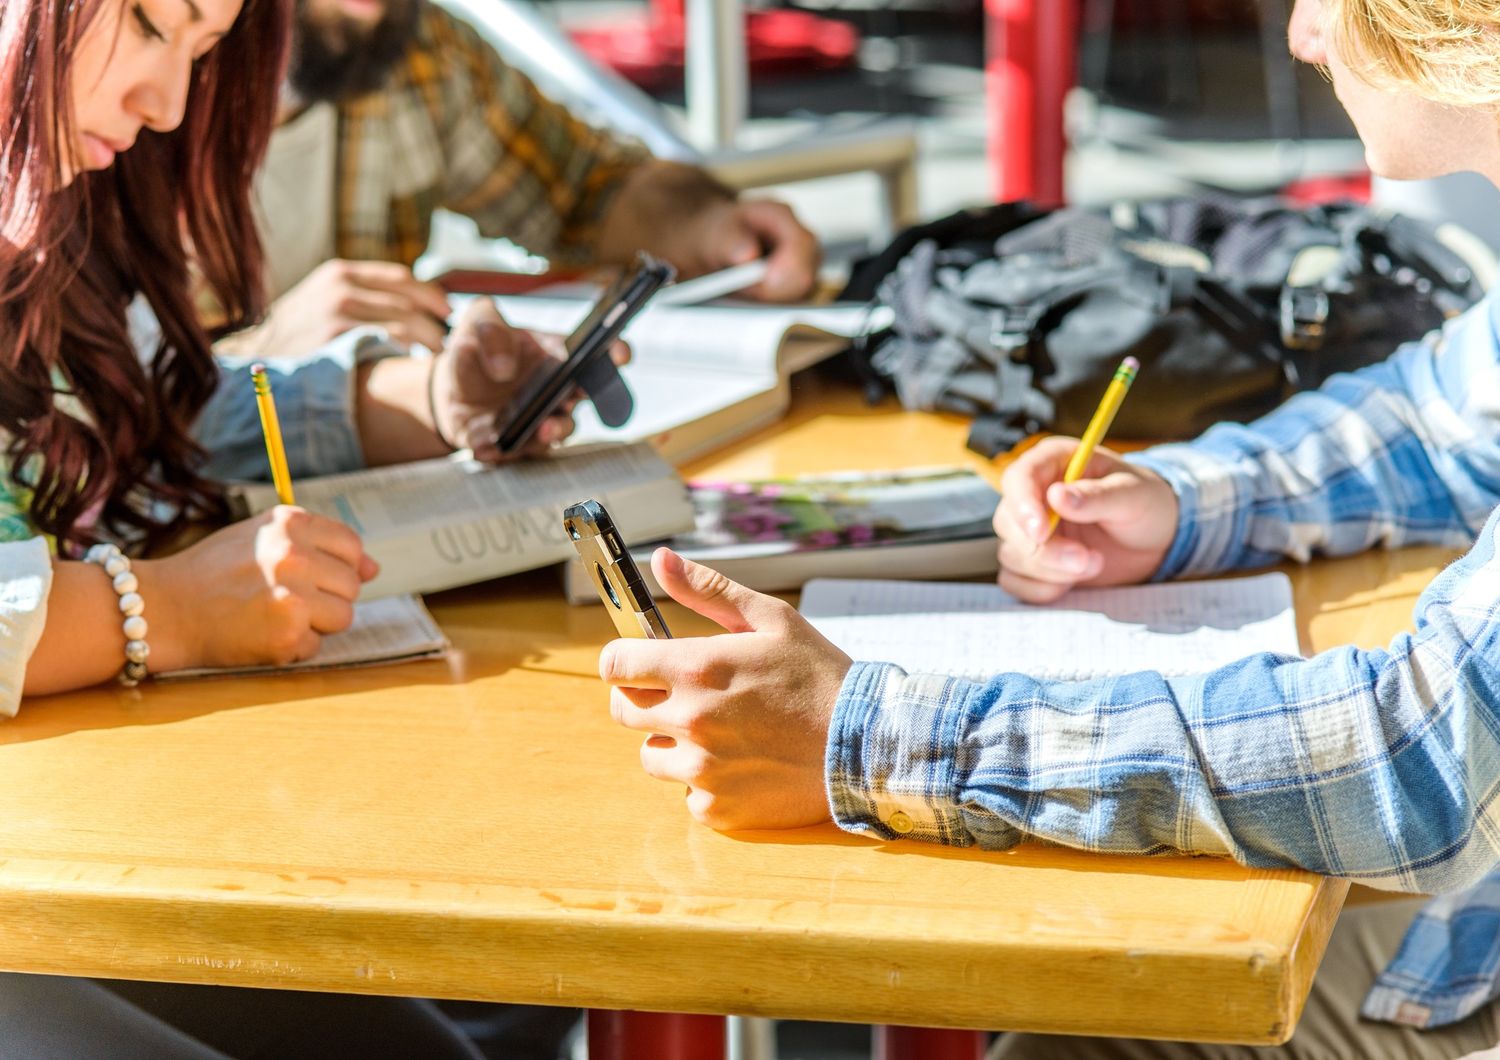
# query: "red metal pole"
926,1043
654,1036
1031,66
1010,95
1057,65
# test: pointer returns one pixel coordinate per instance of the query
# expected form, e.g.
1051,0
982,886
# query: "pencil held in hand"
1104,415
281,473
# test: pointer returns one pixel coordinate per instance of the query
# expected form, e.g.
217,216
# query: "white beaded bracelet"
132,605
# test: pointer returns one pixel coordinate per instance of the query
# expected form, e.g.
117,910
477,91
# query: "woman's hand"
1117,522
265,590
740,718
483,369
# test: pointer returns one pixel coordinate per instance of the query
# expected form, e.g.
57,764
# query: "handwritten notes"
978,630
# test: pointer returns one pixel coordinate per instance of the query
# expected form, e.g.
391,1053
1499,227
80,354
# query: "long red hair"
72,260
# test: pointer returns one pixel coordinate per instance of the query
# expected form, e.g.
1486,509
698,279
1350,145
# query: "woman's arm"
357,402
265,590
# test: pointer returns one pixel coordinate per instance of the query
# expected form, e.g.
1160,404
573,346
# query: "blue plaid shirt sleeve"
1381,766
1404,452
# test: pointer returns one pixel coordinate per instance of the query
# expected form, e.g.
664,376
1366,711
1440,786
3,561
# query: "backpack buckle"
1304,317
1013,327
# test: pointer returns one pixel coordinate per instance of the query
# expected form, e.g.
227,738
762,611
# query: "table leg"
654,1036
928,1043
1057,58
1032,45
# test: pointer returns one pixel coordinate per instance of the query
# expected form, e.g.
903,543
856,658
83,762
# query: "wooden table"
478,828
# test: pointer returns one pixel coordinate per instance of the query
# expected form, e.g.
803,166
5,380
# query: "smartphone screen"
589,342
614,574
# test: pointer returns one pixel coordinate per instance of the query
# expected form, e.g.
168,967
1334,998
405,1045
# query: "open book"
778,533
703,376
977,631
435,524
396,629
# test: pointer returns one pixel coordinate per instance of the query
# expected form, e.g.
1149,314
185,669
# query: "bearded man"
394,108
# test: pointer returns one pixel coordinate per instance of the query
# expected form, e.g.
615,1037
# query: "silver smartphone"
613,572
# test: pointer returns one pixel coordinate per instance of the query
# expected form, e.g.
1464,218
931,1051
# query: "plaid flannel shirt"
1380,766
456,127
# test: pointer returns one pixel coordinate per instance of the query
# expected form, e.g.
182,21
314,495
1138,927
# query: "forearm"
394,413
1381,766
668,209
82,641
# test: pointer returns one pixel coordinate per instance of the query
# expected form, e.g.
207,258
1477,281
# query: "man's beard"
343,60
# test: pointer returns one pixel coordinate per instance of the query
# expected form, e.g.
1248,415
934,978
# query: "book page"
429,494
396,629
976,631
667,398
734,337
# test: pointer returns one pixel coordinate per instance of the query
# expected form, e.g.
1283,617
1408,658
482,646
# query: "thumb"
712,595
741,243
1114,497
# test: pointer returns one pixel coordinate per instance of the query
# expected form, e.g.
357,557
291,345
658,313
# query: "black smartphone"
614,573
588,364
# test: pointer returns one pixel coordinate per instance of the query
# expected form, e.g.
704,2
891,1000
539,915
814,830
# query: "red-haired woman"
130,132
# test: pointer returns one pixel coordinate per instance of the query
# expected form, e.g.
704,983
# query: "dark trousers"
43,1017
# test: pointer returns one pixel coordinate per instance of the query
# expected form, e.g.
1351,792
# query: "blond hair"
1447,50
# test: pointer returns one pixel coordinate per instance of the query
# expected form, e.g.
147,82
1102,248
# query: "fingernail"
1034,527
671,561
1075,559
1072,496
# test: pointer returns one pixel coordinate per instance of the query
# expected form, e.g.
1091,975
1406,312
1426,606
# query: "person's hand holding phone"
740,718
484,365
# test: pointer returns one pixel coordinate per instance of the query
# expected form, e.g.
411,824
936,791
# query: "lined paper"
977,631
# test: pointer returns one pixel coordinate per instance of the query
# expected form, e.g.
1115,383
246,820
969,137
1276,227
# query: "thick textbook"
777,534
976,631
435,524
704,376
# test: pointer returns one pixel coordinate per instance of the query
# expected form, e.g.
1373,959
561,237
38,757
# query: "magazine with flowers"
776,534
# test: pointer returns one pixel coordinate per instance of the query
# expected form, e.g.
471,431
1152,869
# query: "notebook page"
394,629
976,631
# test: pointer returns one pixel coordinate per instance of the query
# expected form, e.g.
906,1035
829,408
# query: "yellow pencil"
281,473
1103,417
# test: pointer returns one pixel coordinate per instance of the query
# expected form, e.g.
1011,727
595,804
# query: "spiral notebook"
977,631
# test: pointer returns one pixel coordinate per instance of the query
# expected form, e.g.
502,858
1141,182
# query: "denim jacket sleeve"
315,403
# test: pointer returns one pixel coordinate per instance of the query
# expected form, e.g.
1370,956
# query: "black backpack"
1019,318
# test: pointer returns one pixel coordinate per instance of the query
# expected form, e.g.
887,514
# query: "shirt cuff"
1211,516
25,582
315,402
893,754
